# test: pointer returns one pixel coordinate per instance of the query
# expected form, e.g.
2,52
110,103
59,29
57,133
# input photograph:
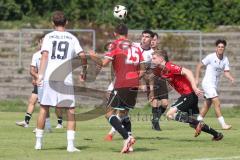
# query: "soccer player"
159,92
34,67
216,63
59,47
126,59
182,80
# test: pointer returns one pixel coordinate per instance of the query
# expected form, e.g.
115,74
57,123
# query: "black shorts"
35,89
187,103
123,98
160,88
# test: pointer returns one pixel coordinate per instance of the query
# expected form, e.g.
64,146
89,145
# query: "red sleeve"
175,69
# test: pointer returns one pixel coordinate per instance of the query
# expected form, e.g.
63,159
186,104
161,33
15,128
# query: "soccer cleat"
128,143
59,126
226,127
218,137
22,124
34,131
108,137
72,149
130,149
198,129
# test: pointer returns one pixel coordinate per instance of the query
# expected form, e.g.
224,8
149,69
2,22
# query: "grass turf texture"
176,141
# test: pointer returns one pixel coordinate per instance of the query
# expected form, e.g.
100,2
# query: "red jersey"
172,73
126,60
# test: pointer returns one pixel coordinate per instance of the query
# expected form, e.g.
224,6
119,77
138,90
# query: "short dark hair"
148,32
39,37
121,29
221,41
162,53
59,19
155,34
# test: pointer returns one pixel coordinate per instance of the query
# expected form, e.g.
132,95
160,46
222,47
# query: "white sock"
70,138
200,118
221,121
39,135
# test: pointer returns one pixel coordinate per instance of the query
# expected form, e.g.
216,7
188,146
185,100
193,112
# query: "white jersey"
36,60
147,54
215,67
61,48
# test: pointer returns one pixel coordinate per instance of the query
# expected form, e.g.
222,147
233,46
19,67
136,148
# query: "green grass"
176,141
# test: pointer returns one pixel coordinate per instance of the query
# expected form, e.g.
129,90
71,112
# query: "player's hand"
143,88
233,81
34,82
40,80
151,97
198,92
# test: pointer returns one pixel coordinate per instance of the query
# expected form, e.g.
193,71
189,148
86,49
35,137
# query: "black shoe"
156,126
218,137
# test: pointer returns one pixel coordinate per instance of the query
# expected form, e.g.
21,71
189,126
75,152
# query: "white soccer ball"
120,12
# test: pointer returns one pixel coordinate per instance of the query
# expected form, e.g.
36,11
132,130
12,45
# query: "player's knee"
169,116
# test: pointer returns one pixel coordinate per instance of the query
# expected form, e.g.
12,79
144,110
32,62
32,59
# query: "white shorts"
57,94
209,92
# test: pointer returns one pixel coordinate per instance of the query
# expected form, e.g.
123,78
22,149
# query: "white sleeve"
33,63
206,60
46,46
77,46
226,68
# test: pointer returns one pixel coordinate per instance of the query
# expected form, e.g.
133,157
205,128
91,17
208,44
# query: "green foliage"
142,14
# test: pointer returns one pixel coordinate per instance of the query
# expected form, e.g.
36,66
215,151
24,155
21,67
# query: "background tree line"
154,14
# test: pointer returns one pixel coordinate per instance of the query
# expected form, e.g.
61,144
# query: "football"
120,12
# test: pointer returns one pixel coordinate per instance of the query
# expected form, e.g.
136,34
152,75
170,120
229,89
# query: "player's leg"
47,127
40,125
58,112
160,103
116,100
71,127
217,107
206,106
31,105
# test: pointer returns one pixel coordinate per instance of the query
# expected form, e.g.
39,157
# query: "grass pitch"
175,142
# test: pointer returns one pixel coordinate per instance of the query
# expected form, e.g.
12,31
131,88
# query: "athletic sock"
183,117
28,116
70,138
39,135
221,121
209,130
126,122
113,120
155,114
60,120
200,118
161,110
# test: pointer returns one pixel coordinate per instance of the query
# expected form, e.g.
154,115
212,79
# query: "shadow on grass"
65,148
152,138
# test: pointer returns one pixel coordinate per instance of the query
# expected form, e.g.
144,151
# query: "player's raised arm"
190,77
98,60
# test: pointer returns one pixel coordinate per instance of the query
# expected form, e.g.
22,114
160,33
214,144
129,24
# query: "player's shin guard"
114,121
126,122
